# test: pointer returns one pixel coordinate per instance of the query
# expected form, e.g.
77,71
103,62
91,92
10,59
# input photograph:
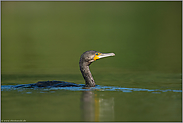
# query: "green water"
44,41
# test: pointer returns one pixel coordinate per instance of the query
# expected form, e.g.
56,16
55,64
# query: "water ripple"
96,88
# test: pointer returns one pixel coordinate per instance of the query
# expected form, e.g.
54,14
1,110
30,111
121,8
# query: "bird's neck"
89,81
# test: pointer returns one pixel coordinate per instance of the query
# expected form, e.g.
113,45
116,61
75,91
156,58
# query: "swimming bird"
86,59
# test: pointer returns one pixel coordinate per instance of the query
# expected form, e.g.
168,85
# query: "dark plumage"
85,60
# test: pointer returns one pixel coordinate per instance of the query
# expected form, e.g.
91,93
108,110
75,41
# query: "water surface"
140,102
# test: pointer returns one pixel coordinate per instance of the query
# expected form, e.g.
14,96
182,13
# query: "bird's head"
90,56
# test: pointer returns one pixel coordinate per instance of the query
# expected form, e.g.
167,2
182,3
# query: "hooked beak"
102,55
106,55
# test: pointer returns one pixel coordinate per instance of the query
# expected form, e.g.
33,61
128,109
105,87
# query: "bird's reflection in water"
95,108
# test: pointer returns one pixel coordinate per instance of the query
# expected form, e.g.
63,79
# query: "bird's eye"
97,54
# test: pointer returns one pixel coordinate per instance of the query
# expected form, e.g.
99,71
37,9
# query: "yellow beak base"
96,57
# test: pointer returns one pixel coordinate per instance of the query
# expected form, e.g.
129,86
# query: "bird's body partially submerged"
85,60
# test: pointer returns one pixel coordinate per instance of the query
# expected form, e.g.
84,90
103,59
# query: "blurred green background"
49,37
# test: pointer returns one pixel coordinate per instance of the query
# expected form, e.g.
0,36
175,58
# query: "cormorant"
85,60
